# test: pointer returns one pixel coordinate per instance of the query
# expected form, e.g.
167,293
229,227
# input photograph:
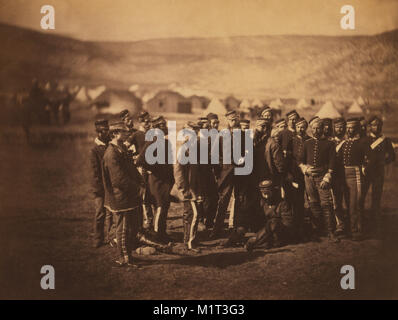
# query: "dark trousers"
191,216
274,233
354,188
127,226
321,204
340,194
376,180
224,196
103,222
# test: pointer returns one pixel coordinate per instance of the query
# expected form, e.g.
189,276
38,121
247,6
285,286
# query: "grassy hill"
264,66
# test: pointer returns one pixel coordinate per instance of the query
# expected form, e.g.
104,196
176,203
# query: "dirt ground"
46,215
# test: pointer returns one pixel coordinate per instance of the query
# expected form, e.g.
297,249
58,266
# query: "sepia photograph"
198,150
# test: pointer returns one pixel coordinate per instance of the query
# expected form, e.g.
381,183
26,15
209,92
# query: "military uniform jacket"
355,152
319,153
297,153
96,155
382,151
122,181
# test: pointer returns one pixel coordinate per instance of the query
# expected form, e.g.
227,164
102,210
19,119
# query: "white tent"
257,103
360,101
94,93
328,110
215,106
302,104
81,95
276,104
355,108
134,87
244,105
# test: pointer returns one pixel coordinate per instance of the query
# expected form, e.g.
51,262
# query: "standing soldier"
123,188
328,128
189,182
317,164
338,180
226,178
102,216
160,180
297,178
382,154
136,142
354,154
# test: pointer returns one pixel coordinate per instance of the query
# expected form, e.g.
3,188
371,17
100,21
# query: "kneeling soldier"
279,226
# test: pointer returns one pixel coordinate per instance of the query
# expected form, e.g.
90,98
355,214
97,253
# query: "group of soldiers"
301,187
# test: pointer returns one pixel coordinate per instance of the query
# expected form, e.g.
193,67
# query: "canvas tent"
276,104
95,92
114,101
360,101
215,106
355,109
328,110
257,103
81,95
302,104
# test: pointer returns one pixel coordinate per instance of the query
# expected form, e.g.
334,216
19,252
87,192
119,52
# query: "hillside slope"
264,66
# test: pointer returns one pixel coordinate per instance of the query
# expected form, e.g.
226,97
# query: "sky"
130,20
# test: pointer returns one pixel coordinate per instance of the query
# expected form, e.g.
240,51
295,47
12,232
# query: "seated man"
278,229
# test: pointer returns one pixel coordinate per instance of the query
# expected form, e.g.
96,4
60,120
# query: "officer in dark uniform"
225,176
317,164
297,178
338,180
382,154
102,216
279,227
160,181
355,156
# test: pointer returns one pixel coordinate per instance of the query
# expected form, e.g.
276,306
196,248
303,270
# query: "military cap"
266,109
280,122
230,115
118,126
123,114
314,120
266,185
158,120
353,122
340,120
375,119
302,121
245,121
192,125
292,113
143,115
212,116
101,124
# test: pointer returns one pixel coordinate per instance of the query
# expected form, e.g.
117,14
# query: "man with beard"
354,155
267,114
213,120
136,142
382,154
102,216
317,164
297,177
160,178
338,180
279,126
245,124
328,128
